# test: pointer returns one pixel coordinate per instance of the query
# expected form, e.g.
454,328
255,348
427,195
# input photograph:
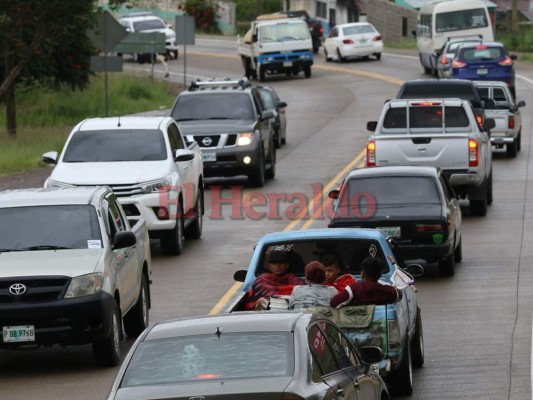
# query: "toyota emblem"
207,141
17,289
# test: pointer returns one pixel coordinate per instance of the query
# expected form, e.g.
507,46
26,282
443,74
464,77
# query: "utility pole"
514,16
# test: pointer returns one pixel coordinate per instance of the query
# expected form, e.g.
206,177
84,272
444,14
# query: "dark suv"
233,129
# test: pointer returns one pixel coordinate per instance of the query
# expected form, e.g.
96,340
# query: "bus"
441,20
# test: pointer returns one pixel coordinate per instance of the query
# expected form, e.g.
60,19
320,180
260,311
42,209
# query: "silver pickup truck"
72,270
501,106
436,132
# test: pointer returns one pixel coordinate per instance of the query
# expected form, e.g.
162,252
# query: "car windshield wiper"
44,247
186,119
8,250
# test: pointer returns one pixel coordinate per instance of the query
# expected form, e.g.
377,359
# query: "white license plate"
22,333
209,156
390,231
363,41
287,64
482,71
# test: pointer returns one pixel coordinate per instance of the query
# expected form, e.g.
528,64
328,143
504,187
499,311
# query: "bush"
204,15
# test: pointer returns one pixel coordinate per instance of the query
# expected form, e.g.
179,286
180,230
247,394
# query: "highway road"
477,324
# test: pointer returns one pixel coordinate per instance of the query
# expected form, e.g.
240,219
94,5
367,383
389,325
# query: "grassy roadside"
45,118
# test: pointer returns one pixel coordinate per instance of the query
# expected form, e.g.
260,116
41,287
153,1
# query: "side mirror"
282,104
513,57
489,124
254,38
521,103
50,157
334,194
123,240
414,270
267,114
239,275
183,155
371,355
371,126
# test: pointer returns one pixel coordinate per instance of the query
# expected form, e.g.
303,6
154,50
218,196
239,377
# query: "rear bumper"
428,251
464,178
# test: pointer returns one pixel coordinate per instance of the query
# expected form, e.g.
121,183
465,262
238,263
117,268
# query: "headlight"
84,285
52,183
245,138
161,185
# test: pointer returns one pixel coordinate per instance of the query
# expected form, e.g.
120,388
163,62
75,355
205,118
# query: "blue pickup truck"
396,328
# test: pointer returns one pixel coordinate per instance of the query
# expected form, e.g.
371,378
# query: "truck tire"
447,265
194,230
417,349
257,177
137,319
490,196
519,140
107,352
401,380
478,207
512,148
328,58
378,56
340,58
172,242
307,71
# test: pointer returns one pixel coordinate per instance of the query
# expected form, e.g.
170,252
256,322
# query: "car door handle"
340,392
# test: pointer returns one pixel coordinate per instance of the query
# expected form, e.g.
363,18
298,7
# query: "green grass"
45,117
403,44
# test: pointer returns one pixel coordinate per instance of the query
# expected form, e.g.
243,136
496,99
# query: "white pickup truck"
156,176
72,272
501,106
276,44
440,133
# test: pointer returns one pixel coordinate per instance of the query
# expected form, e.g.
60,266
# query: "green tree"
46,43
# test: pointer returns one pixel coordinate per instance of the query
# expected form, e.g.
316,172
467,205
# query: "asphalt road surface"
477,324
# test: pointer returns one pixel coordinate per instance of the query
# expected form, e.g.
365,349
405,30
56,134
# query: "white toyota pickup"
501,106
72,270
440,133
156,176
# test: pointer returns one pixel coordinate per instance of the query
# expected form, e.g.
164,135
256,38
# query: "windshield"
116,145
481,53
48,227
148,25
284,32
461,20
211,357
214,106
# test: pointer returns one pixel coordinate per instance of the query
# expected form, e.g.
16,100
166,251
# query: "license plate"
209,156
22,333
363,41
390,231
482,71
287,64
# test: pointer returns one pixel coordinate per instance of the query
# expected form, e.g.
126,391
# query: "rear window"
211,357
356,30
439,91
426,117
481,53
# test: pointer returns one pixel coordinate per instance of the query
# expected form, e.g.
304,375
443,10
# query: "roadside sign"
106,64
142,42
185,28
107,33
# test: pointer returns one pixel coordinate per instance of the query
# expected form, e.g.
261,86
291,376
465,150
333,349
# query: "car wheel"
458,253
328,58
307,71
194,229
172,242
401,380
107,352
283,140
512,148
519,141
271,171
447,265
378,56
257,177
340,58
137,319
490,196
417,349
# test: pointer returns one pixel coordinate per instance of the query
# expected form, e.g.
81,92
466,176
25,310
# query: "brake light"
424,228
425,103
444,60
371,154
473,153
510,123
376,38
481,47
458,64
347,41
505,62
321,29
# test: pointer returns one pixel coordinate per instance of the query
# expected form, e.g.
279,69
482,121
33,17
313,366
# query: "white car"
357,39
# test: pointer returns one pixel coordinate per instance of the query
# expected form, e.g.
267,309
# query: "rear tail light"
425,228
506,62
394,333
347,41
321,29
510,123
444,60
458,64
371,154
473,153
376,38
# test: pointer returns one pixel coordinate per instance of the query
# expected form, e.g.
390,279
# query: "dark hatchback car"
486,61
414,206
267,355
271,101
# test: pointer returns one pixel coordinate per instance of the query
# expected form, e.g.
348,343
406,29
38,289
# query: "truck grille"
37,289
124,190
215,141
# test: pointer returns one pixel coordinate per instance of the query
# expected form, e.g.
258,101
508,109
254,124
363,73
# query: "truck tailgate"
501,118
443,150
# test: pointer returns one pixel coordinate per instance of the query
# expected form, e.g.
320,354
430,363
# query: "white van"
441,20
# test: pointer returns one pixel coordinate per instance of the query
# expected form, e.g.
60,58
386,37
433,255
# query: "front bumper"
231,161
146,206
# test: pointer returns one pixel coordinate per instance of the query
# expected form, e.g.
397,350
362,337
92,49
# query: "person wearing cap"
315,293
370,290
278,281
333,269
